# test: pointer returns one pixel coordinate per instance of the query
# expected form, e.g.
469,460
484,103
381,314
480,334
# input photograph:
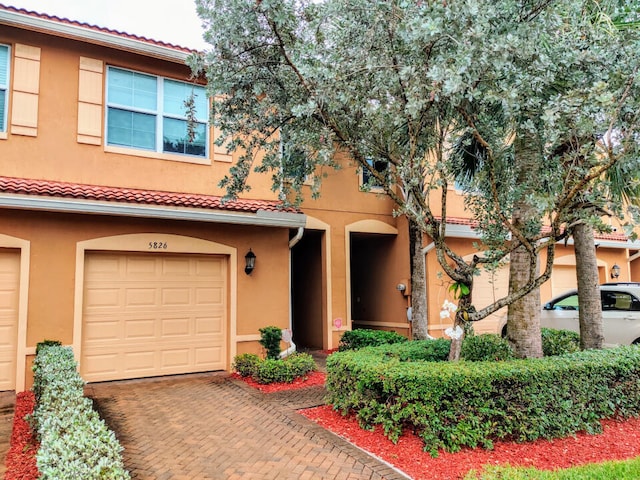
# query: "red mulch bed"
21,458
619,440
313,378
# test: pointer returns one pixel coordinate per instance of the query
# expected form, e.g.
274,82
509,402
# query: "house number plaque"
158,245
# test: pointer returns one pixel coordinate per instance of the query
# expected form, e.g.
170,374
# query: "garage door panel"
9,294
175,358
105,267
211,325
96,298
139,329
175,327
171,319
139,361
488,287
98,331
208,356
563,278
176,267
210,269
209,296
139,297
7,373
101,365
176,296
140,267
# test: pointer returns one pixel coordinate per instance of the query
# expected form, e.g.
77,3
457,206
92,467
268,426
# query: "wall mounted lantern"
615,271
250,262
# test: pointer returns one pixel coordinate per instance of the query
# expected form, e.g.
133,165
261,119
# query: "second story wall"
56,94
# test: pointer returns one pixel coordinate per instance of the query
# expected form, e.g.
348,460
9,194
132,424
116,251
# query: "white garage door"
488,287
9,283
153,314
563,278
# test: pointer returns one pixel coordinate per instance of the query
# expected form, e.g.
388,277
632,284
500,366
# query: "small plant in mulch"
297,370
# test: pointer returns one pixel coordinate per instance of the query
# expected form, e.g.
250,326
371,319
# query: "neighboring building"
114,238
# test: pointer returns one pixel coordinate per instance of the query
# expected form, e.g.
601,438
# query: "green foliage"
459,289
362,337
284,370
620,470
74,441
456,404
47,343
559,342
270,340
485,347
246,364
556,76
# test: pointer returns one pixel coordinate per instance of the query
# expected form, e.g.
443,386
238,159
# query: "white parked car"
620,313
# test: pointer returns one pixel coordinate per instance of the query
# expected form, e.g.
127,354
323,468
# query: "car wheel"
636,342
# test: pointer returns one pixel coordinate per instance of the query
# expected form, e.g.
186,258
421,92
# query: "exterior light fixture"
250,262
615,271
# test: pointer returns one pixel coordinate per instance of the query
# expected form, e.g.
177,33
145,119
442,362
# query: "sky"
172,21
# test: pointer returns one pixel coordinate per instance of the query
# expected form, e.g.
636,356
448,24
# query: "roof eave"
89,35
466,231
264,218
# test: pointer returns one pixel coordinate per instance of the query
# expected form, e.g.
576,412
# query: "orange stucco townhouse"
114,238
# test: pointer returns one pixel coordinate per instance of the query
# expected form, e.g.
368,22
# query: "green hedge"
451,405
559,342
270,370
363,337
486,347
74,441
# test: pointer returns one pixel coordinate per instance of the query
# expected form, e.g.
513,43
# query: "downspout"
292,243
426,250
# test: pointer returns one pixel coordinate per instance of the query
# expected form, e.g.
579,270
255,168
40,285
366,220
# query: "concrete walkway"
211,426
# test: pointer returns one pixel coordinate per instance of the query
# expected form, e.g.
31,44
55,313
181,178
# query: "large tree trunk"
461,322
523,320
523,323
420,327
589,304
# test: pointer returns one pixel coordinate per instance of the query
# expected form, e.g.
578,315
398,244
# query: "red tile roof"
96,28
48,188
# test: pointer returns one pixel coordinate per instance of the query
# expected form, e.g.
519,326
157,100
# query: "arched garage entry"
143,311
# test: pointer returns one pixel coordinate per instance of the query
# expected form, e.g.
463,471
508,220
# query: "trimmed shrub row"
74,441
451,405
475,348
270,370
363,337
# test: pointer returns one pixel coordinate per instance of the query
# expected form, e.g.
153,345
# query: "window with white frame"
367,180
4,86
151,113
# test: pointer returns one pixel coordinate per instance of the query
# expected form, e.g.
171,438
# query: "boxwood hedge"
451,405
74,441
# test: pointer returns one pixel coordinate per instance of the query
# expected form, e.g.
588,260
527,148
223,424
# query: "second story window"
149,112
368,181
4,86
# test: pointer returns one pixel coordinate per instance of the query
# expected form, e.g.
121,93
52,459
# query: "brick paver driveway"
211,426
